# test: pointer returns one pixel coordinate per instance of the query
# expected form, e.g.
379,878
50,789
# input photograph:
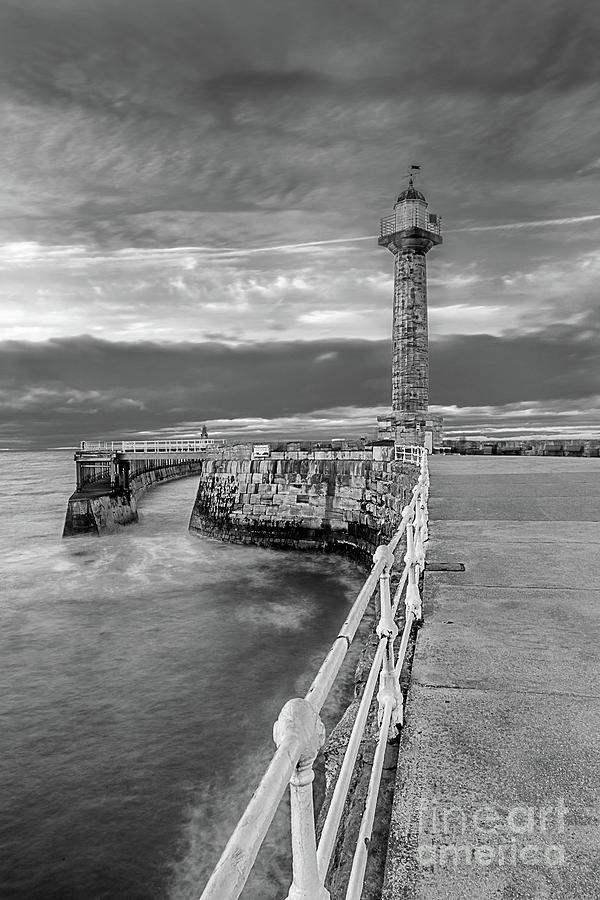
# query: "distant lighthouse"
410,233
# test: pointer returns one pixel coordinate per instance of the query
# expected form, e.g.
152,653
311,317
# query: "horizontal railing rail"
156,445
299,732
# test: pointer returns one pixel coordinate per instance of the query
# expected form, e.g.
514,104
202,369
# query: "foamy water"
141,674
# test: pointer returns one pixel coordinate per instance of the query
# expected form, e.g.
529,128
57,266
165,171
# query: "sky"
190,196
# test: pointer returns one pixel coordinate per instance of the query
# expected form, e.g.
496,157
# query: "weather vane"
411,173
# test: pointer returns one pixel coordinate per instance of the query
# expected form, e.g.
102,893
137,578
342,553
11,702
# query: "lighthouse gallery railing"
299,733
410,217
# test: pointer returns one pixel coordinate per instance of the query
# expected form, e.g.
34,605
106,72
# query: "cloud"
195,293
118,117
190,293
560,363
58,390
543,223
61,390
532,419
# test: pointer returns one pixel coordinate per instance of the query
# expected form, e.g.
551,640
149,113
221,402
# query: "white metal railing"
155,445
410,216
299,732
409,454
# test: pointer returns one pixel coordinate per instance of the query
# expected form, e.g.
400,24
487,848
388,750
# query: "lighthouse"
410,233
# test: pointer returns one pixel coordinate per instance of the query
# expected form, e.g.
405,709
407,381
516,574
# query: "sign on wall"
261,450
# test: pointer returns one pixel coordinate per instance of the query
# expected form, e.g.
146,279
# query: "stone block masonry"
410,365
99,514
305,497
297,495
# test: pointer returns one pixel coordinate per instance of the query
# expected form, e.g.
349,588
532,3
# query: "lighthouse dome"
411,193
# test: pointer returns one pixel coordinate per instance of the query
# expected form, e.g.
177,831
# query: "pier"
111,475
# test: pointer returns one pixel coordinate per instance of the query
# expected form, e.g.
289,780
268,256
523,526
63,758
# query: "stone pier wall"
305,498
302,496
99,514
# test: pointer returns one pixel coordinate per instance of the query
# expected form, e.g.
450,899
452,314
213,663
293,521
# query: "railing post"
424,498
413,597
424,520
386,622
389,683
298,717
420,527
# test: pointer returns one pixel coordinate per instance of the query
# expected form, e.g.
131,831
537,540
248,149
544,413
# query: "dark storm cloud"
476,370
261,379
62,388
58,391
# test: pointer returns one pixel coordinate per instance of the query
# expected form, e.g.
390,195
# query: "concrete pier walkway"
497,791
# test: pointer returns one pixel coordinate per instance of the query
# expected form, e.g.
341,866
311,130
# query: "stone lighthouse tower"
410,233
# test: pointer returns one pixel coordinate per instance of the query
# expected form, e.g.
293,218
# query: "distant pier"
111,475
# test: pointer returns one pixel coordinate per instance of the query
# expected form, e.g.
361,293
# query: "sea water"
140,676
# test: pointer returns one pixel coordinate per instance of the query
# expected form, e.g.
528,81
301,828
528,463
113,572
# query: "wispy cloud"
532,419
25,252
540,223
